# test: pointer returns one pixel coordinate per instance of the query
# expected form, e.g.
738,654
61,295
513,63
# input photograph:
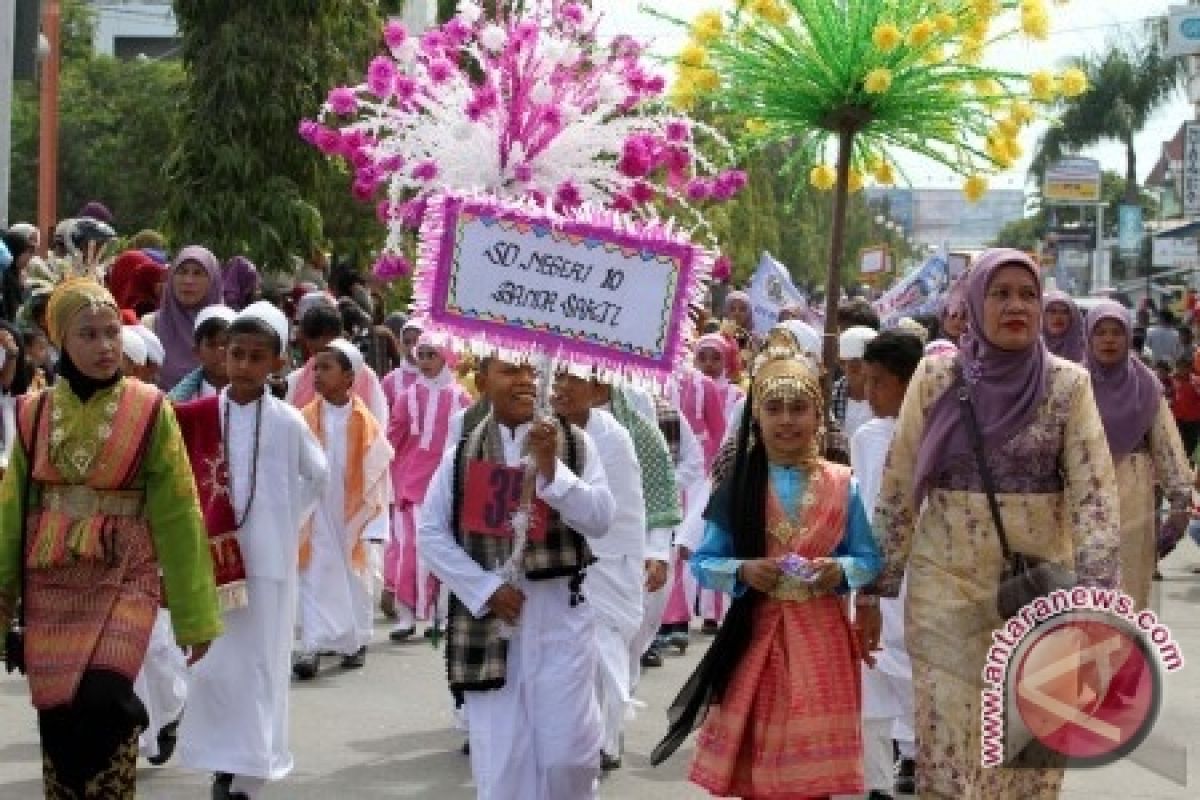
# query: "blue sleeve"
714,565
858,552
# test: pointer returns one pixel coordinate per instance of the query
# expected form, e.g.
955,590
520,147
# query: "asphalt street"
386,731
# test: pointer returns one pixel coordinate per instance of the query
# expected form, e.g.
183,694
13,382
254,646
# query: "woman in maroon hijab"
1046,450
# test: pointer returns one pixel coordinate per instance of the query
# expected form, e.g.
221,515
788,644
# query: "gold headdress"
783,373
69,298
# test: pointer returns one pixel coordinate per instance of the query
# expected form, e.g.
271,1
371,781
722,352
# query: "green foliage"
240,178
1129,82
115,124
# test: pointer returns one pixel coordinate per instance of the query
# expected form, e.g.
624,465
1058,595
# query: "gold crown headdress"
783,373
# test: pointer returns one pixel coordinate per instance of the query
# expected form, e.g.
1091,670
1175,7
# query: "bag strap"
31,449
985,473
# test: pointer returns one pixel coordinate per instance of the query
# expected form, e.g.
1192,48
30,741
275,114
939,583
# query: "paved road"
385,731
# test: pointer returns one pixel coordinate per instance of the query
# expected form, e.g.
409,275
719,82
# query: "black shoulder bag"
14,641
1024,578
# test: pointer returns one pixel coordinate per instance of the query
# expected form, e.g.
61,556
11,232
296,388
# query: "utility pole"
48,124
8,25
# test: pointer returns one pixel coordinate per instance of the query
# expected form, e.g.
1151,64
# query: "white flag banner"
771,291
919,292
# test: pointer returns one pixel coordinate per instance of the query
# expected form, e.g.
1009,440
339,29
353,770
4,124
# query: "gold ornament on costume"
784,374
71,297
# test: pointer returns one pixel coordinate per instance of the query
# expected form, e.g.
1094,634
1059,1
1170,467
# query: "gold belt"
794,590
81,502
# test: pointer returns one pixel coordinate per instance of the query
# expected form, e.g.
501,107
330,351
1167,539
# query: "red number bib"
491,496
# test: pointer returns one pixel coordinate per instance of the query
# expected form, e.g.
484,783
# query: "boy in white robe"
888,362
236,724
336,605
615,581
521,643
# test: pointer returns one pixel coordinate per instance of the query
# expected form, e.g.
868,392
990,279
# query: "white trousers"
161,684
654,605
614,589
538,737
887,715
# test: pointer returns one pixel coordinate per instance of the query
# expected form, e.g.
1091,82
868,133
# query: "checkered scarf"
476,653
655,457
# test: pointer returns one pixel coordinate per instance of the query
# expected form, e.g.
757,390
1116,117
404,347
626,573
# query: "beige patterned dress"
1056,487
1159,460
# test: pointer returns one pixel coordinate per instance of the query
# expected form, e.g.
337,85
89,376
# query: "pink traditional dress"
789,721
398,381
420,423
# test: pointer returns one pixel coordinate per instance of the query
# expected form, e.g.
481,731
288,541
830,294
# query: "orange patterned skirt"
789,724
95,614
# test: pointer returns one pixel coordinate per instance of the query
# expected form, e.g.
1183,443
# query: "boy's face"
330,379
884,390
573,398
252,358
853,368
429,362
739,312
709,362
511,389
409,341
37,350
212,353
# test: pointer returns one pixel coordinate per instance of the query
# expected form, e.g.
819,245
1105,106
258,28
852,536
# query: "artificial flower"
1043,85
975,187
945,23
884,173
878,81
887,37
823,177
1074,82
920,34
708,27
693,55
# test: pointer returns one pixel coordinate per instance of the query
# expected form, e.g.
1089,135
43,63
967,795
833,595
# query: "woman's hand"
868,627
760,573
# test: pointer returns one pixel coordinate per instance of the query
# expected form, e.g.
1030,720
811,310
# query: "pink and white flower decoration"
533,107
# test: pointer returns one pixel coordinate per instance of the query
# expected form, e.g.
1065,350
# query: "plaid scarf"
476,653
657,461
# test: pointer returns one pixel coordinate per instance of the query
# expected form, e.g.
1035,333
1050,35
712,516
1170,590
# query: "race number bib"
492,494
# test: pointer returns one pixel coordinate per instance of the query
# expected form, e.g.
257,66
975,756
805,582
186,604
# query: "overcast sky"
1083,26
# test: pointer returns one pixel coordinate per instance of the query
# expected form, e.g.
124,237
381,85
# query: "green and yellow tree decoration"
845,85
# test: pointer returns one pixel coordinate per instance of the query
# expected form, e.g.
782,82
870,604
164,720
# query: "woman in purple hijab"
1145,446
241,282
1045,447
193,285
1062,326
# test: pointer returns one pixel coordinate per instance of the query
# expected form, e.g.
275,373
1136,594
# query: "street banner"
771,290
919,292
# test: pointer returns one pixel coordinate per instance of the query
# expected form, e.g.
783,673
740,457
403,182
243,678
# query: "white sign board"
1072,181
1191,170
1176,253
1183,31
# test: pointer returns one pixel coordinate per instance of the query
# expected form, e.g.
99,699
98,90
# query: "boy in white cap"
850,406
351,518
266,470
211,332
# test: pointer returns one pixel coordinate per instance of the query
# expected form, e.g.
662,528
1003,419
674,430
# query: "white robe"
539,737
237,715
689,470
161,683
887,688
614,583
336,608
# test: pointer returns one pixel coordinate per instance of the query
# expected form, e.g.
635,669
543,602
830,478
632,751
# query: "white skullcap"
806,337
214,312
910,325
268,314
353,353
155,353
133,346
853,341
413,324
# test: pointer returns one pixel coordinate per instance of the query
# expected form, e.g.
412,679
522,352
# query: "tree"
115,122
1129,82
240,178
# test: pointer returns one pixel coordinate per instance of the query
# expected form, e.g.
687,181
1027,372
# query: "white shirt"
858,413
627,536
583,501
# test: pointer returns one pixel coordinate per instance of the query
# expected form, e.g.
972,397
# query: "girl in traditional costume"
1045,447
100,493
1145,446
778,691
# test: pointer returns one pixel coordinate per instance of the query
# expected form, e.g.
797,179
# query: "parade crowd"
213,482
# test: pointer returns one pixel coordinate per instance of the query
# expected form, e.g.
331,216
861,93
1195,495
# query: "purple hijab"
1006,386
241,282
175,324
1071,344
1128,394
